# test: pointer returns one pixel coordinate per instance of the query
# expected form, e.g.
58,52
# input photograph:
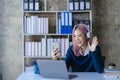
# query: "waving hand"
94,43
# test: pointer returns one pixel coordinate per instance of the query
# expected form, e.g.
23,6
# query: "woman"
84,55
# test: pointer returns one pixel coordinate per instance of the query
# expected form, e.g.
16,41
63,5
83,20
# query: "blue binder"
62,15
70,23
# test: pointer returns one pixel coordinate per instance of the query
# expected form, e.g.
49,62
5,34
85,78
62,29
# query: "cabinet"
49,21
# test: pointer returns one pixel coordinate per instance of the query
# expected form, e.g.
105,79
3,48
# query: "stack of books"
111,73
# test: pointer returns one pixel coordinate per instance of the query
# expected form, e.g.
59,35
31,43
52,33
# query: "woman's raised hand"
94,43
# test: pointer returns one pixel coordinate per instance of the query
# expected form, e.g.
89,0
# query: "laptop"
55,69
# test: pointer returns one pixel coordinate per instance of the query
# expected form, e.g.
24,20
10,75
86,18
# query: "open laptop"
55,69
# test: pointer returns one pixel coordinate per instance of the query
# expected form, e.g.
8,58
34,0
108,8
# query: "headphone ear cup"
88,35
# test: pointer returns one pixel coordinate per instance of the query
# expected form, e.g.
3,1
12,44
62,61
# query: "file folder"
70,23
71,5
62,22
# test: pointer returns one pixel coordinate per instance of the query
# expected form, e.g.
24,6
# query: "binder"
82,4
76,4
46,25
43,40
62,22
31,5
62,47
48,47
29,49
40,48
71,3
59,26
37,5
25,5
26,48
25,24
39,25
42,25
70,23
87,4
66,23
36,49
32,53
32,25
36,24
28,19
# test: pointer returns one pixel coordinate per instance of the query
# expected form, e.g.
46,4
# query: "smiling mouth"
78,42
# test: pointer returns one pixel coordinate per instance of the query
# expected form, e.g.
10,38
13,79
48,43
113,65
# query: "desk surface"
80,76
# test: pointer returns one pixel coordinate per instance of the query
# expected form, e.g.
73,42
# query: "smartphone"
56,45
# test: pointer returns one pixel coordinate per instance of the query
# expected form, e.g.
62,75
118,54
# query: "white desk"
80,76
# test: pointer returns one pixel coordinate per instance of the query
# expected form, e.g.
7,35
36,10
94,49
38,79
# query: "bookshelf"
48,21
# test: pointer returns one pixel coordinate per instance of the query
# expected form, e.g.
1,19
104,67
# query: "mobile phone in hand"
56,46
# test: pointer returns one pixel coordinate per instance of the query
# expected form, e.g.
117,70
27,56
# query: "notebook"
112,70
55,69
111,73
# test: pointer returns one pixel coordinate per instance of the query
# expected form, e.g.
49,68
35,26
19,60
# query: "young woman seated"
85,54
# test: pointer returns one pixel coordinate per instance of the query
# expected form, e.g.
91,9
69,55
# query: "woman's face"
79,37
